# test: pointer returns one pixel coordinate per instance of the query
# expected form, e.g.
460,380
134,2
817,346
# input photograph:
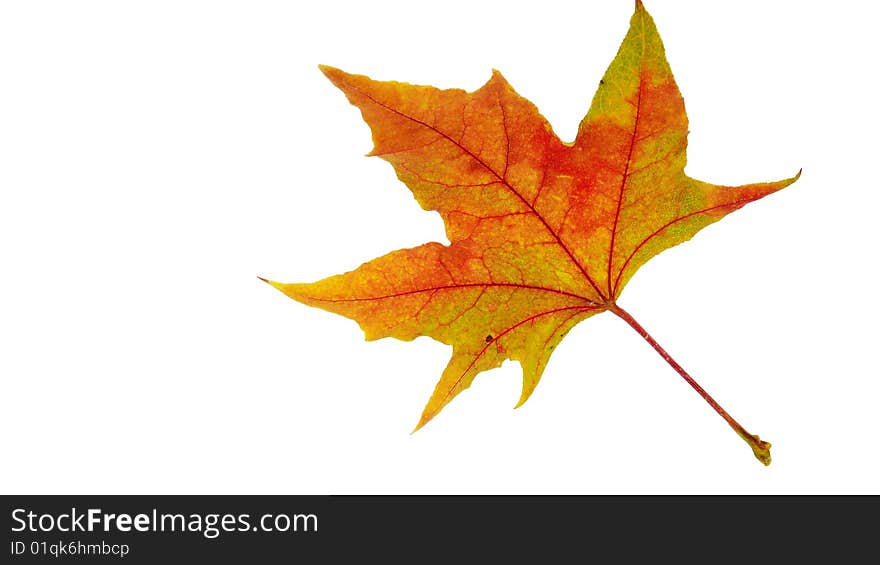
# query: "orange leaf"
543,234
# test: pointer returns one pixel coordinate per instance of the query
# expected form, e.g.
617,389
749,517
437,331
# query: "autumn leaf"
543,234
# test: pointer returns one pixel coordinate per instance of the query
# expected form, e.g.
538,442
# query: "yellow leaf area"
543,234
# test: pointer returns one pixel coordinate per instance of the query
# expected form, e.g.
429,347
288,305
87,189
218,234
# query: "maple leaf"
543,234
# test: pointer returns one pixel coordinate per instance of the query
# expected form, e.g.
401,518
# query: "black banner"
284,529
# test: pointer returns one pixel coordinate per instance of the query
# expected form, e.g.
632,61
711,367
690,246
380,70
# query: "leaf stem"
760,448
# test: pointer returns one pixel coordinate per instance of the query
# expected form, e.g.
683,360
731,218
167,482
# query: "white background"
155,157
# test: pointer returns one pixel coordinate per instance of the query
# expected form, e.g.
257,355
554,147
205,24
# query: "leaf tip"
789,181
332,73
497,79
427,415
277,285
422,421
526,393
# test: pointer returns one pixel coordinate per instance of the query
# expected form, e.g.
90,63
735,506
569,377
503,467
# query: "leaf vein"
495,173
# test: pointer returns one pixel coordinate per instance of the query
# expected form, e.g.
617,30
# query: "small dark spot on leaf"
488,339
601,82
